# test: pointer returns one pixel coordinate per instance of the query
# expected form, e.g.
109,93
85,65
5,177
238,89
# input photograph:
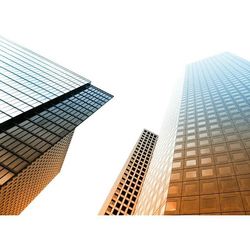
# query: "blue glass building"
41,103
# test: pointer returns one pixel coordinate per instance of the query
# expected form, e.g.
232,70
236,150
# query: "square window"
210,203
209,186
175,177
123,208
215,132
206,161
232,137
222,158
220,148
201,129
190,205
235,146
178,146
204,142
203,135
180,139
239,156
217,140
118,205
126,202
190,153
244,182
228,130
115,212
191,137
176,164
172,206
205,151
191,174
214,126
191,144
228,184
225,170
191,163
190,188
177,154
207,172
174,189
242,168
231,202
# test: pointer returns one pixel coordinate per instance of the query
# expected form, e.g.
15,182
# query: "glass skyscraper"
201,162
204,165
211,161
41,103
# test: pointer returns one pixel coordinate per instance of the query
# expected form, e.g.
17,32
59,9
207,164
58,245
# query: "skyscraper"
41,104
124,195
205,146
201,162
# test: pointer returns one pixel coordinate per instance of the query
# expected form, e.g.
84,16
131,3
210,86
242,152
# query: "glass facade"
124,195
211,163
41,105
28,80
201,164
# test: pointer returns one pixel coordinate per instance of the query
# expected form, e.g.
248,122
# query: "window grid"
211,164
125,193
28,140
32,79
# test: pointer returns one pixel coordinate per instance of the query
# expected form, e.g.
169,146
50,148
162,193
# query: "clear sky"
135,50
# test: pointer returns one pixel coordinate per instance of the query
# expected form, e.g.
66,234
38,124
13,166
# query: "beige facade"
125,192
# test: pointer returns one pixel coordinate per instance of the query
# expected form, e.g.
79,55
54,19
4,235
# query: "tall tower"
41,104
125,192
201,163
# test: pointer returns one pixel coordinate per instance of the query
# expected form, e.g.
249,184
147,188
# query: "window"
219,148
176,164
235,146
191,174
207,172
171,206
190,153
205,161
173,190
175,176
191,144
204,151
178,155
191,163
225,171
204,142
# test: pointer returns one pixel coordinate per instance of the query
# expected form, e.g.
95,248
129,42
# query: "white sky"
136,50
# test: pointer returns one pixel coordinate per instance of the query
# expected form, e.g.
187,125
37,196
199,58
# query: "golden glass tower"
211,161
201,163
125,192
41,104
